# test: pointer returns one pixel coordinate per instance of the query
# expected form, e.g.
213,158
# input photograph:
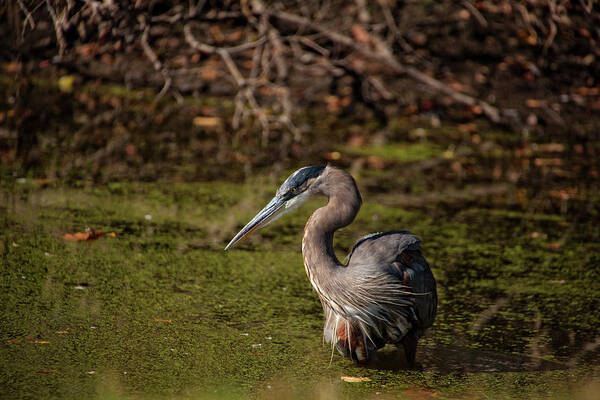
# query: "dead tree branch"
28,18
60,37
245,88
385,55
159,67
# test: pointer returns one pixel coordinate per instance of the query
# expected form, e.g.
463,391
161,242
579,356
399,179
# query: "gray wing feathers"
391,267
382,248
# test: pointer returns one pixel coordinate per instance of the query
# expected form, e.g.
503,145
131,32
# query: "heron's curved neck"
343,205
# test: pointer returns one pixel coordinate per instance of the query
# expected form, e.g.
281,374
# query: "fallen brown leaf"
557,281
163,320
76,236
588,91
216,33
91,234
535,103
360,34
45,372
209,73
207,122
44,181
548,162
551,147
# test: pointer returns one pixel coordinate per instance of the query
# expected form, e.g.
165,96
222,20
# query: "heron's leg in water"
409,342
352,343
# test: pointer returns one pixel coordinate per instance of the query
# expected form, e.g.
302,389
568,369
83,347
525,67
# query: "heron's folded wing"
396,257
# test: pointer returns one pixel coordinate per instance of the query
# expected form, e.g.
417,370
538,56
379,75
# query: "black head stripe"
299,177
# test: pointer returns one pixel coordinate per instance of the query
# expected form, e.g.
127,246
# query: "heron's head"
296,189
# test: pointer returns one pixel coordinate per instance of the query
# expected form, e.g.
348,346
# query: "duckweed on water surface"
160,310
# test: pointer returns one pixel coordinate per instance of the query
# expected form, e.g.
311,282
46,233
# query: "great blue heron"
385,294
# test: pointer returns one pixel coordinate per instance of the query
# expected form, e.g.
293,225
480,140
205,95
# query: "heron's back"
393,287
396,255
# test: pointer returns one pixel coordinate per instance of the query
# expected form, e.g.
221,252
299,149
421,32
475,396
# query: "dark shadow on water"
447,359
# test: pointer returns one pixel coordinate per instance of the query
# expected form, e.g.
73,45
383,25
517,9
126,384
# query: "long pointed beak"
263,218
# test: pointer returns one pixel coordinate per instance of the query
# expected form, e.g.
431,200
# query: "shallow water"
160,310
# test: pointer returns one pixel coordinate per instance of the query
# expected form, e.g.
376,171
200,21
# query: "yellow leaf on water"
162,320
38,341
355,379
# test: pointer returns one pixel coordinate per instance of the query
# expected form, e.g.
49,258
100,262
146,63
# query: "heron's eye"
293,190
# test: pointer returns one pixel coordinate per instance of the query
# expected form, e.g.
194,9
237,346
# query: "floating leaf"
163,320
557,281
32,340
91,234
353,379
76,236
45,372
